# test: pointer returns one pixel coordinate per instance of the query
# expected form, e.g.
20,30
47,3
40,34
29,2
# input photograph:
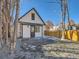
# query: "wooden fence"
69,34
53,33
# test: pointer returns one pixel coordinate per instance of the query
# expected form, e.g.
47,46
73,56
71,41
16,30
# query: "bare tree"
9,11
49,25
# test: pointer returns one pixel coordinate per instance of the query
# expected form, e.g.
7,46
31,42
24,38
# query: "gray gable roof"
36,13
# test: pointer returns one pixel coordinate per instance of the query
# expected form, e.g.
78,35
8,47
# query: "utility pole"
65,15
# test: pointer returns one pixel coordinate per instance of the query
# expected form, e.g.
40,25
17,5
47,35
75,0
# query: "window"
33,16
37,28
28,26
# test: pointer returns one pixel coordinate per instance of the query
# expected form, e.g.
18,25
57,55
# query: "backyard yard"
48,48
44,48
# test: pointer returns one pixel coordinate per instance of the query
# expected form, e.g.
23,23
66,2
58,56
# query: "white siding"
18,32
39,34
26,31
43,29
28,19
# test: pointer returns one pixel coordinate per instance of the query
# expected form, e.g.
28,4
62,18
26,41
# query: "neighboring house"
55,28
77,26
71,25
50,26
31,25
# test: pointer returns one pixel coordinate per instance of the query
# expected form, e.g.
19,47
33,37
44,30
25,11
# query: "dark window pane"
33,16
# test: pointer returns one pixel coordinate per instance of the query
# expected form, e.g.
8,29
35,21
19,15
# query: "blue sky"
50,11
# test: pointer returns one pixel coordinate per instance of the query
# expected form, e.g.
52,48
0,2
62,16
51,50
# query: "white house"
31,25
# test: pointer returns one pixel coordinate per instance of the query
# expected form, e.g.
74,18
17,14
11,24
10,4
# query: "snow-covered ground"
42,48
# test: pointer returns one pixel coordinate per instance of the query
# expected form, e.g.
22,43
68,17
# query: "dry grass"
53,33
